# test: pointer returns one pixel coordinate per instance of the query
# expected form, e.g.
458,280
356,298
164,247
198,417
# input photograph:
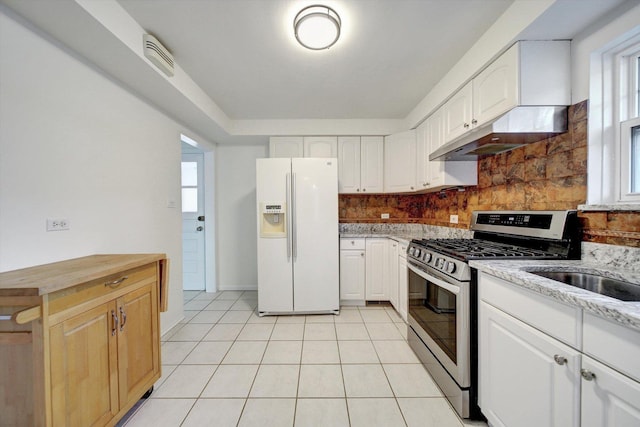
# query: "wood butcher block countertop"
48,278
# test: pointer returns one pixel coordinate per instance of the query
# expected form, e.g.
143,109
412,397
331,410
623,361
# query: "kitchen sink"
623,291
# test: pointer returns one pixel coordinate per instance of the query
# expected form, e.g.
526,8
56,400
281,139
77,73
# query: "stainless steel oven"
443,290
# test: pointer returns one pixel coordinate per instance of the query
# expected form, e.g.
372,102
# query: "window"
189,187
614,122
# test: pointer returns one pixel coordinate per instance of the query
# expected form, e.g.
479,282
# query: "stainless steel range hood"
520,126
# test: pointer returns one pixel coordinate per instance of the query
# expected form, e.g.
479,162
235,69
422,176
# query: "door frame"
208,152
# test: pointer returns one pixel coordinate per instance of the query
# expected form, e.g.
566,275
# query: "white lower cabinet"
403,283
608,398
352,271
527,378
392,260
377,270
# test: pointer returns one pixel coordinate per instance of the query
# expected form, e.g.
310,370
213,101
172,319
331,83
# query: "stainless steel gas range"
443,289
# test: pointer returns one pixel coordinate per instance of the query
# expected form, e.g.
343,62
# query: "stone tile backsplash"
547,175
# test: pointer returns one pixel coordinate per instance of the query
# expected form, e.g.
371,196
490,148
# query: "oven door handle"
436,281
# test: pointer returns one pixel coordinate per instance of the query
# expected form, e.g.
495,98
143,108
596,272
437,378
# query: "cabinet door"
457,114
521,384
372,164
285,146
403,286
138,343
495,90
610,398
320,146
352,273
349,164
392,254
423,165
400,162
376,277
84,368
435,139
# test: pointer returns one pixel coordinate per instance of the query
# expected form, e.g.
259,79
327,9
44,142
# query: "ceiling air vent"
158,54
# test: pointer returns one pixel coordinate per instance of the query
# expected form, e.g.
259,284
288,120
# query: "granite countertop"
401,238
518,273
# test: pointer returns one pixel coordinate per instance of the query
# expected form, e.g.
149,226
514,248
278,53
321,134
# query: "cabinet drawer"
358,243
109,287
559,320
612,344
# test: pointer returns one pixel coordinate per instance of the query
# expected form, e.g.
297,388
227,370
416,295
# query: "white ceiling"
241,76
245,57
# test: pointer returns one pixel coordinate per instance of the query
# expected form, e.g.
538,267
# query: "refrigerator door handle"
293,217
287,216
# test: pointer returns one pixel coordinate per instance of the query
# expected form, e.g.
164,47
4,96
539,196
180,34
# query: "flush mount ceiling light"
317,27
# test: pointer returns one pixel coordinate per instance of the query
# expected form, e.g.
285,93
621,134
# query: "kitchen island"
79,339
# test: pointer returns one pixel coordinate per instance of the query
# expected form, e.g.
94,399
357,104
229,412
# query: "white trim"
626,160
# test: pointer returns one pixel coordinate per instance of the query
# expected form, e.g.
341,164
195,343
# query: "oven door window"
434,308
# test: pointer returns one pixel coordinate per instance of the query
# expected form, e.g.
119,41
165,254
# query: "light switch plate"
384,216
453,219
57,224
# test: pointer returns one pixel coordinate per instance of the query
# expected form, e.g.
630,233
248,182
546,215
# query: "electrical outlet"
384,216
453,219
57,224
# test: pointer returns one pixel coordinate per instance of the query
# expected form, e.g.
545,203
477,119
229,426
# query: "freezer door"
315,234
275,273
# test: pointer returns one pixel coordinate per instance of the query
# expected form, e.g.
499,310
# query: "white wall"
75,145
595,37
236,215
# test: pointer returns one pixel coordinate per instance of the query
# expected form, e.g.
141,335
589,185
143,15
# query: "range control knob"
427,257
417,253
450,267
439,262
411,250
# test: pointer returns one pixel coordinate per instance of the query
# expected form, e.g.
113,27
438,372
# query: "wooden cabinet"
360,164
91,338
286,146
400,162
377,270
320,146
352,271
392,260
435,175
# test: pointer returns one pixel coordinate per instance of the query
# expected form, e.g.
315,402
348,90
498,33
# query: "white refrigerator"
298,246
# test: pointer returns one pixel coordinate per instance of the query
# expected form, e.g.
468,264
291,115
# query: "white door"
193,253
349,164
321,146
315,234
457,114
352,276
371,164
400,162
377,267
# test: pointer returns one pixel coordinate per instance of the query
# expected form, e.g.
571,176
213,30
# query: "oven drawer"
554,318
355,244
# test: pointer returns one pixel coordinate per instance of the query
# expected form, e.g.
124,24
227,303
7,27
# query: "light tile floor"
226,366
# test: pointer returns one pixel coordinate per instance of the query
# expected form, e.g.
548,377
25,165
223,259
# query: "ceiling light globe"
317,27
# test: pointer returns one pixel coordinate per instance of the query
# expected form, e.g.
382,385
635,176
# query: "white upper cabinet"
285,146
456,113
434,175
372,164
400,162
360,164
320,146
529,73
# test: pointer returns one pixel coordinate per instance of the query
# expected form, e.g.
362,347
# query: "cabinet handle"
114,318
560,360
474,122
361,253
466,125
357,189
587,375
115,283
412,187
124,319
364,189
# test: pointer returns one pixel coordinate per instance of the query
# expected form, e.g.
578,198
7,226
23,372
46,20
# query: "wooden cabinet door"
352,268
320,146
609,398
457,114
138,343
285,146
376,277
349,164
400,162
495,89
84,368
392,256
372,164
521,382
